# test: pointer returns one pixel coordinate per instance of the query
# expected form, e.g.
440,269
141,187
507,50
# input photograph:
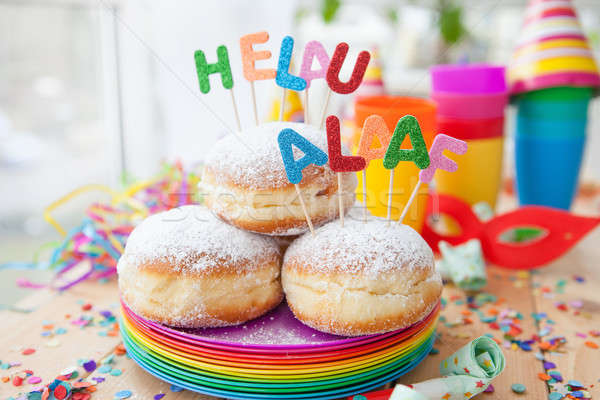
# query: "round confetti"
60,392
555,396
175,388
518,388
123,394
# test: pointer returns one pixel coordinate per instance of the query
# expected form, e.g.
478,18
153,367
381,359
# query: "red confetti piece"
60,392
333,72
27,352
337,161
17,381
86,307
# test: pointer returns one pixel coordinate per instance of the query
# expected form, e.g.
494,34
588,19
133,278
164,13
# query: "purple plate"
276,331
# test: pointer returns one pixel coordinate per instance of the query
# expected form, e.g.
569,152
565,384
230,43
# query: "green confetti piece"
222,66
407,125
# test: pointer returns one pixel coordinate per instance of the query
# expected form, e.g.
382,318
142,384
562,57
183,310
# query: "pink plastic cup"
472,106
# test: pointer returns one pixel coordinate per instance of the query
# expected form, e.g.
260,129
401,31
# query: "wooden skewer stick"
410,200
308,220
306,106
364,179
253,93
391,188
340,197
324,112
235,111
282,108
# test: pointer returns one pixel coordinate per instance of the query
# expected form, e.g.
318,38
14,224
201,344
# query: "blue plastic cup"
549,145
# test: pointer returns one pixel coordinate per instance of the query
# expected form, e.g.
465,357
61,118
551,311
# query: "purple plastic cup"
468,79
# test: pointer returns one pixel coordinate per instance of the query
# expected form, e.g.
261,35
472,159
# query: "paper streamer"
466,373
98,241
333,72
463,264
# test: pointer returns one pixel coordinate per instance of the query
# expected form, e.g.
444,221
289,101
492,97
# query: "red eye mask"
563,231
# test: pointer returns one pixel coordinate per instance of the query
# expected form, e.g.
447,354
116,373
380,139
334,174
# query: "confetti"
89,366
518,388
123,394
28,351
159,396
175,388
591,345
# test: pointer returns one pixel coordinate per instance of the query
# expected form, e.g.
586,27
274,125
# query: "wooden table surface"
524,292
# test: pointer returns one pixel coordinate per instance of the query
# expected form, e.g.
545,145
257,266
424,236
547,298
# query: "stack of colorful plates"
274,357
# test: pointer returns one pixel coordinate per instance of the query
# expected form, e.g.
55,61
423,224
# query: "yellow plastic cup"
479,174
406,174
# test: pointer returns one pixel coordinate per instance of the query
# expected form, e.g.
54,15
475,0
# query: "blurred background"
92,91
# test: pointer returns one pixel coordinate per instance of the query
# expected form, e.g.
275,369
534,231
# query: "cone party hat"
552,50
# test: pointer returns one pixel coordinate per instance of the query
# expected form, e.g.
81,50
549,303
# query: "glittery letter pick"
250,56
418,154
333,72
337,161
374,126
311,50
204,69
283,77
312,154
438,160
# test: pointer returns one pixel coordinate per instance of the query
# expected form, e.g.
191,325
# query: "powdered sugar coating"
252,159
192,239
367,248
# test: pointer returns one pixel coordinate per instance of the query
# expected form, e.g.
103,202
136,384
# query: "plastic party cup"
470,106
406,174
468,79
479,173
549,144
471,100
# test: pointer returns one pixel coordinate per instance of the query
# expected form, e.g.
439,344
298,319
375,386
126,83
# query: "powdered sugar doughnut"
360,279
244,182
186,268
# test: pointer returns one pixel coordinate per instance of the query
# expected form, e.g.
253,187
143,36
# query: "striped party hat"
552,50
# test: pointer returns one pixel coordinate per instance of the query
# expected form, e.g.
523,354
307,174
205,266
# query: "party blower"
552,77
